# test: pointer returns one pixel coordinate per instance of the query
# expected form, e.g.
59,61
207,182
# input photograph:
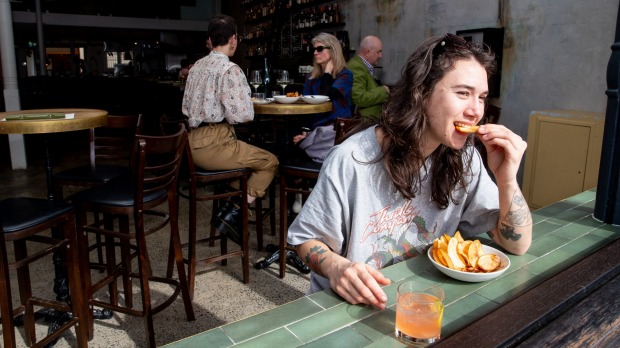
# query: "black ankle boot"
224,208
228,222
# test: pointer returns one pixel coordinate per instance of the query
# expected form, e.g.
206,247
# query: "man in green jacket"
367,95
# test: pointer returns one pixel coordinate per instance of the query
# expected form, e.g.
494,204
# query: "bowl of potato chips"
467,260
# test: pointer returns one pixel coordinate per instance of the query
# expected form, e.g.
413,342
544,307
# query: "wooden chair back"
114,141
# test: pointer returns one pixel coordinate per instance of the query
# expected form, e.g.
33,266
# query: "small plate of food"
467,260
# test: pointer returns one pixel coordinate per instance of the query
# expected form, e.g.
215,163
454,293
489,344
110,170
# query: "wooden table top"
297,108
83,119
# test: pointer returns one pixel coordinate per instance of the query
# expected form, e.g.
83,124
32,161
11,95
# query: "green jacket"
366,94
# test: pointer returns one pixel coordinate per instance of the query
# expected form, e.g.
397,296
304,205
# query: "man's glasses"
321,48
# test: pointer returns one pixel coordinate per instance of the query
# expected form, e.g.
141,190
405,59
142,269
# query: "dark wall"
119,96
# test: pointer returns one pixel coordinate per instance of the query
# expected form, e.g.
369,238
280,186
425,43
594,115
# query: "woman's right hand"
299,137
358,283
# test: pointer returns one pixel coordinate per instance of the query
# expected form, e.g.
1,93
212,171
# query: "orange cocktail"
419,310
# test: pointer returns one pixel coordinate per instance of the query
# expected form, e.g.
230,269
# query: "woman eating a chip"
393,187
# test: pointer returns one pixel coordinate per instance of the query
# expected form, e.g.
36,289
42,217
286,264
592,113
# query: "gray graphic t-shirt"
355,210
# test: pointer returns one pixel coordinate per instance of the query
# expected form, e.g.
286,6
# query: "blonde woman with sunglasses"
329,77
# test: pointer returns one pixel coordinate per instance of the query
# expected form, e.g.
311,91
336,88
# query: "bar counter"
571,256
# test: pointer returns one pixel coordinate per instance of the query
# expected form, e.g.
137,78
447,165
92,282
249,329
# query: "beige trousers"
215,147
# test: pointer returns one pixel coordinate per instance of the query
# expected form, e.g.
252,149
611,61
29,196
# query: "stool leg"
25,291
258,204
6,301
283,224
79,307
272,208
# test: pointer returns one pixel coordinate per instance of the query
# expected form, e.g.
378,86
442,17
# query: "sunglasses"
321,48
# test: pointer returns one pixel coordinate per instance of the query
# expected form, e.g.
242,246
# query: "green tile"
507,287
554,209
543,228
581,198
551,263
329,320
571,215
518,261
211,338
416,265
280,338
390,291
578,228
608,231
387,342
377,325
326,299
463,312
455,290
254,326
590,205
345,337
547,244
586,245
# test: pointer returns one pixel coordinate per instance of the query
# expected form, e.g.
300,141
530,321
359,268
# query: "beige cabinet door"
560,163
563,154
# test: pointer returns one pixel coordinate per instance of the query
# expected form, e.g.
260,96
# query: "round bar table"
282,110
297,108
35,122
46,121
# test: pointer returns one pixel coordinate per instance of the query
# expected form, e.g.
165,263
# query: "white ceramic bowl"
284,99
315,99
470,276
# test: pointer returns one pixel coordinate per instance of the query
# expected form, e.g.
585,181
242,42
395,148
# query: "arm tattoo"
314,258
508,232
518,213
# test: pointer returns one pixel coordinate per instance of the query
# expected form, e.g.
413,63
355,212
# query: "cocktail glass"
419,310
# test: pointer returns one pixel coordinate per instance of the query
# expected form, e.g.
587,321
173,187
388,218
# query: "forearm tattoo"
315,257
518,215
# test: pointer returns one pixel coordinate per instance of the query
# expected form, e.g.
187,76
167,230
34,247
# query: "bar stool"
155,168
23,220
110,151
194,187
306,172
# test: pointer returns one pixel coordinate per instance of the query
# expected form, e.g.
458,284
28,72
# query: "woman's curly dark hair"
404,119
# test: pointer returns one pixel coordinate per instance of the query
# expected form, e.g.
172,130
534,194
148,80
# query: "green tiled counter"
563,234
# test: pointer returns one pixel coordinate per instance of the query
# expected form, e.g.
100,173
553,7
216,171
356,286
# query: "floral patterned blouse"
217,90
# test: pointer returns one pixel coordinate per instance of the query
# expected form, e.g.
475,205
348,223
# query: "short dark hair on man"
221,28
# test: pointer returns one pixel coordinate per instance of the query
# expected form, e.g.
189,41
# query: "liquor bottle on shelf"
266,79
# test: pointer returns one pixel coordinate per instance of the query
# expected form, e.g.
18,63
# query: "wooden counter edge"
523,316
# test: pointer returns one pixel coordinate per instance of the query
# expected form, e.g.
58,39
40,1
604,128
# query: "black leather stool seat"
22,212
118,193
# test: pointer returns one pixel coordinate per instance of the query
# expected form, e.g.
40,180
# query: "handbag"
318,142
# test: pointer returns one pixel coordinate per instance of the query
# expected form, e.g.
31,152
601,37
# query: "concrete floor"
220,295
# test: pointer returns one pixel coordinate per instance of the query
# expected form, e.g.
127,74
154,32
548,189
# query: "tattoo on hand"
508,232
315,257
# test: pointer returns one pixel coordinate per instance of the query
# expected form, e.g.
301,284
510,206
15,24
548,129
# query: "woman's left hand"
505,150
